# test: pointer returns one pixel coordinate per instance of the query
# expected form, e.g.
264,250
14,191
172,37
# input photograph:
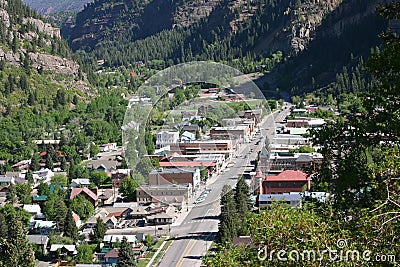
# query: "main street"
194,235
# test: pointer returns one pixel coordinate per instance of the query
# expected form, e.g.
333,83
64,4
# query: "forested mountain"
244,34
52,6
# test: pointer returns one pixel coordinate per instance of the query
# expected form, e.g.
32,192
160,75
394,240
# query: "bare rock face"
54,63
44,27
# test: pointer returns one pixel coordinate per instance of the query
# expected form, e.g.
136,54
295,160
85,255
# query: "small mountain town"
199,133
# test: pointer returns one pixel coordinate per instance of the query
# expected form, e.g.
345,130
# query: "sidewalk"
157,252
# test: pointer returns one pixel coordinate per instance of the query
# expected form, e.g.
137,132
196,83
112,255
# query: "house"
292,199
106,197
87,193
6,181
110,221
111,258
22,165
80,183
148,194
175,176
43,227
33,210
109,240
165,138
43,175
39,199
139,212
40,241
61,250
108,147
159,219
118,176
285,182
251,114
188,137
191,128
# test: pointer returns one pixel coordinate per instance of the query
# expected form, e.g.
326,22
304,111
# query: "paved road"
199,229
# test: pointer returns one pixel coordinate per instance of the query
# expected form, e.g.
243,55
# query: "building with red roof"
86,192
286,182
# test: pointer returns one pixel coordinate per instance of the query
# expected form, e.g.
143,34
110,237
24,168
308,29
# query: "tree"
11,194
227,229
60,213
126,258
70,229
59,179
35,162
94,150
149,240
64,165
29,177
49,163
98,178
85,254
242,201
144,167
99,231
128,188
24,192
83,207
43,189
16,249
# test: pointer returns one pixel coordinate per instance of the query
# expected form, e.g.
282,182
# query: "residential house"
80,183
63,251
108,147
106,197
87,193
6,181
42,227
287,181
165,138
43,175
175,176
111,258
34,211
118,176
191,128
292,199
188,137
22,165
109,240
160,219
40,241
139,212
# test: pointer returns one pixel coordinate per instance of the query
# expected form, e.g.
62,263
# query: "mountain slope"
35,62
53,6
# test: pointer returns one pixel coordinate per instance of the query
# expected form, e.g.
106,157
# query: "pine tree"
35,162
16,249
61,211
11,195
99,231
242,199
70,229
64,165
126,256
228,218
49,162
29,177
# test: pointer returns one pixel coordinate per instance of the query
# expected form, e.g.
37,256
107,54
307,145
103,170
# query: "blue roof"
278,197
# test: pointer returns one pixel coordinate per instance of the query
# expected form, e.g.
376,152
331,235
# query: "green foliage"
228,226
70,229
24,191
99,231
302,149
59,179
85,253
128,188
149,240
83,207
98,178
126,258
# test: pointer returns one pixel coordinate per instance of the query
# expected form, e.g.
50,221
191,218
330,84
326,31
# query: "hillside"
245,34
52,6
35,62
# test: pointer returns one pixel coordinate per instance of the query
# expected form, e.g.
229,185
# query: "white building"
165,138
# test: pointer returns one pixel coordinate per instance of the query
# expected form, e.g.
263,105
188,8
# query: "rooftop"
288,175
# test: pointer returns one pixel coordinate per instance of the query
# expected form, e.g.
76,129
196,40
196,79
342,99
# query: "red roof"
75,216
288,175
115,214
77,191
187,164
